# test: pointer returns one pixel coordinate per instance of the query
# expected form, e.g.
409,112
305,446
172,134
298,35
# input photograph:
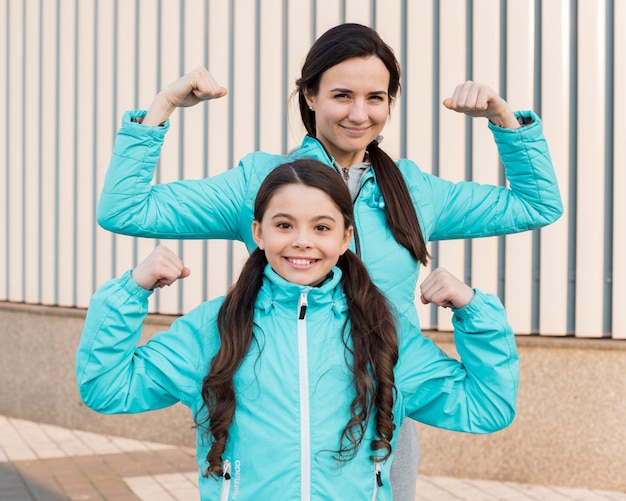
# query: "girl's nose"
302,240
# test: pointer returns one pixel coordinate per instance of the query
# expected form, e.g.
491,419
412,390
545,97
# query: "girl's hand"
443,289
162,267
478,100
193,88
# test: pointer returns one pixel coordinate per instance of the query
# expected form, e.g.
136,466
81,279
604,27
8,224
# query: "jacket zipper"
225,481
305,425
378,481
357,242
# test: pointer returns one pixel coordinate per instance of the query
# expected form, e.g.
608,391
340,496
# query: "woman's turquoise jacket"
221,206
294,388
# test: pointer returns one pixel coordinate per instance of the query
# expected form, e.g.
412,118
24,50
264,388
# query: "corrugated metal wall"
70,68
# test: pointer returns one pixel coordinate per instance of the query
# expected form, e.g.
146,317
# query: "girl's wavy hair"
369,333
336,45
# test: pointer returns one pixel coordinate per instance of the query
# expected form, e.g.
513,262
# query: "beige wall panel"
218,154
244,83
520,72
590,225
49,109
328,14
4,127
15,156
145,69
358,11
388,26
300,38
619,190
85,168
105,124
486,70
125,65
67,104
418,95
170,167
452,125
192,143
30,171
555,118
273,103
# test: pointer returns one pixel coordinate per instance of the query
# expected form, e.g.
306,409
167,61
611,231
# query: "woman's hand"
162,267
478,100
190,89
443,289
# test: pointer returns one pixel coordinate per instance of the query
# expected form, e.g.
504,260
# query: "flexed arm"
469,209
131,204
476,393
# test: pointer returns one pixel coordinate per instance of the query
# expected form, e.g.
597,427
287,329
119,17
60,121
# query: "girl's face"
302,233
351,107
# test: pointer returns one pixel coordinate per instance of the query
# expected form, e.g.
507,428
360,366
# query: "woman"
349,81
299,377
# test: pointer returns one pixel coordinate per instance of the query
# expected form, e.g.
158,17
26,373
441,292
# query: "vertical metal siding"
70,69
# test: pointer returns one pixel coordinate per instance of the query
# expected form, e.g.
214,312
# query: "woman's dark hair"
336,45
371,341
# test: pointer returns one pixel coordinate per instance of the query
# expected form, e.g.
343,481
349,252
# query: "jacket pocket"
225,492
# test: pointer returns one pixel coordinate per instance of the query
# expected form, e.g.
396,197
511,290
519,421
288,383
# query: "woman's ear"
257,235
310,100
347,238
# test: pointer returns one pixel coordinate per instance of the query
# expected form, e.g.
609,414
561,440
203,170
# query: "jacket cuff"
473,308
132,288
527,119
134,118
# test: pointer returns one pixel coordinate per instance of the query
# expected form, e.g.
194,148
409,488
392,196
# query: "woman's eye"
322,227
283,226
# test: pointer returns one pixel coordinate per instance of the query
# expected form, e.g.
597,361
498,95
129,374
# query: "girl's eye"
283,226
322,227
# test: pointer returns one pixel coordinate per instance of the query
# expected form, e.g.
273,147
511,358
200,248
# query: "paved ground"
48,463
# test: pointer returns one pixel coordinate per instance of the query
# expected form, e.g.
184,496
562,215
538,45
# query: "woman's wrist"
159,112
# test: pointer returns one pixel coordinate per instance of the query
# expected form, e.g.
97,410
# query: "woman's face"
351,107
302,233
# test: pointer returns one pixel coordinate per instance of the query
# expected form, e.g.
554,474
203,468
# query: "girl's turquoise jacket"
294,388
221,206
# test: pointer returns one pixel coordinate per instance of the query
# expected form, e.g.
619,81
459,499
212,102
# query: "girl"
299,377
349,81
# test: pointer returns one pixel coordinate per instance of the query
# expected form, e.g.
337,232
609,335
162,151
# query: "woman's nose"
358,111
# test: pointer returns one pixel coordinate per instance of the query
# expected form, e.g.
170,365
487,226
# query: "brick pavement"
40,462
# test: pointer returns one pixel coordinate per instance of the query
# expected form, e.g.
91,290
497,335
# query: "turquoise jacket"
294,387
221,206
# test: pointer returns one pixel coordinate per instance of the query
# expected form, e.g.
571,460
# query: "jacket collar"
280,294
311,147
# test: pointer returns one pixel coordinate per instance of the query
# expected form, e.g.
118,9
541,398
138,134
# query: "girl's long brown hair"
371,339
336,45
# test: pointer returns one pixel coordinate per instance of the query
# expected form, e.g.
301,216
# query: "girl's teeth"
300,261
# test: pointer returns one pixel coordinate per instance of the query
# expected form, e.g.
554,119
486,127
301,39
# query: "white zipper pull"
378,481
302,306
225,481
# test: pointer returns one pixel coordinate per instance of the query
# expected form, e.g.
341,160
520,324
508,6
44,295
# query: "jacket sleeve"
468,209
114,375
476,394
191,209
